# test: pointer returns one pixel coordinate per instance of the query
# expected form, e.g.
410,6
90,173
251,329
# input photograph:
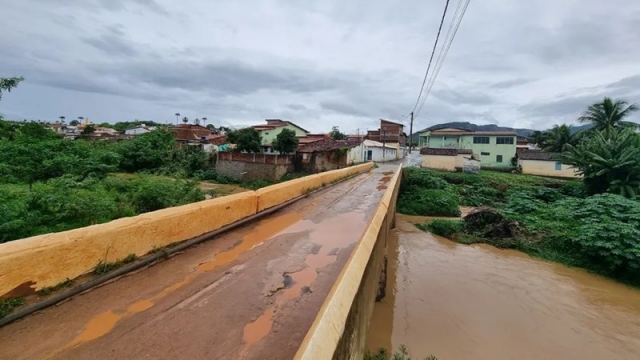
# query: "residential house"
186,133
327,154
445,158
139,130
272,128
390,133
524,143
536,162
378,152
494,149
105,131
217,142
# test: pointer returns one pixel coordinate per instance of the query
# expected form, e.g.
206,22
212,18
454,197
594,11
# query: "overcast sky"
335,62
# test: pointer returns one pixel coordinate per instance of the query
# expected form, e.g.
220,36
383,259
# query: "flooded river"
477,302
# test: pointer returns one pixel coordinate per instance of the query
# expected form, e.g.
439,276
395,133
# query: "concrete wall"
439,162
33,263
47,260
390,153
253,171
340,328
547,168
355,155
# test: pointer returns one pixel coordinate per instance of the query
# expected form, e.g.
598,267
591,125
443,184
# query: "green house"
493,148
272,128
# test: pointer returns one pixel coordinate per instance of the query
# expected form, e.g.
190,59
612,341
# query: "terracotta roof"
217,139
504,133
276,123
538,155
326,144
188,132
444,151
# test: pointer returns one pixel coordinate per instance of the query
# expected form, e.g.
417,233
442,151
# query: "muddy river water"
478,302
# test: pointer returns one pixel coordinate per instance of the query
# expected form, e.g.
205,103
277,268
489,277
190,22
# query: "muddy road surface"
249,294
478,302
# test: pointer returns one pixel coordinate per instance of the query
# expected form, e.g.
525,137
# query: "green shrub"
428,202
444,228
422,178
7,305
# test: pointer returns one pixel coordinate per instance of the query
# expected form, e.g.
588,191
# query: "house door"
369,155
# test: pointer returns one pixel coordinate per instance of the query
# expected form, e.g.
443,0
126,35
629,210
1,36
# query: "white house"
536,162
139,130
377,151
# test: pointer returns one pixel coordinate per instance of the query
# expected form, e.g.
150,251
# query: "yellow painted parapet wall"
47,260
340,328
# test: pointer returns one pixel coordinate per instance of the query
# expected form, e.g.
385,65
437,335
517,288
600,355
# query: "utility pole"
384,132
411,134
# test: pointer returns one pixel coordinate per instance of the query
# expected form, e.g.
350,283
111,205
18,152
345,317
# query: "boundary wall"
340,328
31,264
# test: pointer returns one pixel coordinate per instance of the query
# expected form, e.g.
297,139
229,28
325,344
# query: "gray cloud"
510,83
467,97
319,64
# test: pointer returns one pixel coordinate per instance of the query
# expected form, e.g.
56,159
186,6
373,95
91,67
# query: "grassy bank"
555,219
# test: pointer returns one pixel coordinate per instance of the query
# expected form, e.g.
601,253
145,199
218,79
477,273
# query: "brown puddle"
478,302
329,237
103,323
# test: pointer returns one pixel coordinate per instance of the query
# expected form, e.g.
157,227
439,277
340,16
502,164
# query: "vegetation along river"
478,302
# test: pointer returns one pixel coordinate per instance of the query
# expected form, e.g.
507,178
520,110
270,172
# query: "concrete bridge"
291,271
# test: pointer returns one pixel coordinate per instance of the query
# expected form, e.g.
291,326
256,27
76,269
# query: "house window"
480,139
485,154
499,158
504,140
558,166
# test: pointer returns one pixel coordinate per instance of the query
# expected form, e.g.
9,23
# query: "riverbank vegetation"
593,222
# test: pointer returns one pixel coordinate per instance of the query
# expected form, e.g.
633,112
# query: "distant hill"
473,127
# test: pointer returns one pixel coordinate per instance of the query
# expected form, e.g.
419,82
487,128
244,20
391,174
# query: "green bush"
153,194
422,178
428,202
444,228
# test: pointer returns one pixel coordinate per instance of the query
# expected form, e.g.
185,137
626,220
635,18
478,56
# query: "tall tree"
559,137
62,119
74,122
608,114
177,118
286,142
247,139
539,138
336,134
185,119
6,84
204,121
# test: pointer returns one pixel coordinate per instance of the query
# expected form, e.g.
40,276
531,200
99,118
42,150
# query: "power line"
435,45
451,33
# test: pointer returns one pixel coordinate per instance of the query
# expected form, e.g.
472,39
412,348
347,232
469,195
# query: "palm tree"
196,121
204,121
609,161
62,118
185,119
558,138
607,115
177,118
